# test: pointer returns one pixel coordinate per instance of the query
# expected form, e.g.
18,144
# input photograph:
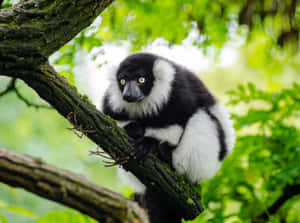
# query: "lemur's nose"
129,98
132,92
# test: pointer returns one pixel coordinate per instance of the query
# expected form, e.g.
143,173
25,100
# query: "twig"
78,130
111,160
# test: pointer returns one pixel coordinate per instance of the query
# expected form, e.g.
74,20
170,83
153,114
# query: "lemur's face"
141,84
135,80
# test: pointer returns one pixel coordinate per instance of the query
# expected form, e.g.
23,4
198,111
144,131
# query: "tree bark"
288,192
67,188
29,33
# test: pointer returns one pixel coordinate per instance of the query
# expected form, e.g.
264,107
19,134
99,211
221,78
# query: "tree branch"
32,30
170,188
288,192
24,47
46,25
67,188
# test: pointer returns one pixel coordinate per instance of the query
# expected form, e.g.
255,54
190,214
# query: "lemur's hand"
143,147
135,130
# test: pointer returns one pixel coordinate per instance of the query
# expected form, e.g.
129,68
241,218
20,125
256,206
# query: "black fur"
221,135
135,130
131,69
144,145
187,95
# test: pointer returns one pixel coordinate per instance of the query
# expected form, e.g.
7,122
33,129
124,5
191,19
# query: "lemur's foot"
143,147
135,130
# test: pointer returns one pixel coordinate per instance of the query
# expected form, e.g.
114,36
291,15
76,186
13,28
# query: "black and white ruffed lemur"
168,111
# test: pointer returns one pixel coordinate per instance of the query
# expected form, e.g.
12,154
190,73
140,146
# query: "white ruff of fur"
170,134
164,75
197,154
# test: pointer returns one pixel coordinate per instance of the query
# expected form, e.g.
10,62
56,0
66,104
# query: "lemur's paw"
135,130
143,147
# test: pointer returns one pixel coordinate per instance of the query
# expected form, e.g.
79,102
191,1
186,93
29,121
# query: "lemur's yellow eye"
122,81
141,80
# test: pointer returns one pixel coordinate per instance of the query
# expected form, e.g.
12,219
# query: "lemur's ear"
163,70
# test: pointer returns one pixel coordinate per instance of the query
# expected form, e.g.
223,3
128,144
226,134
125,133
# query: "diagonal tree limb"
168,186
67,188
29,33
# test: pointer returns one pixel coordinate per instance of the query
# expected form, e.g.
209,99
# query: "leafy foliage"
267,153
144,21
256,25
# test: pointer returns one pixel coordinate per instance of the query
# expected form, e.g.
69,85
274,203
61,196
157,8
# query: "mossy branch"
67,188
169,187
34,29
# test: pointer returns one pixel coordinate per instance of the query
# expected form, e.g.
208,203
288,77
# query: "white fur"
171,134
164,75
132,181
196,156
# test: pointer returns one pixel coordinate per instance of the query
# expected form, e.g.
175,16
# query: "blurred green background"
260,86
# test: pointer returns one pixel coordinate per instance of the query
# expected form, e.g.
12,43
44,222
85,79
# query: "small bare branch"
110,160
78,129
